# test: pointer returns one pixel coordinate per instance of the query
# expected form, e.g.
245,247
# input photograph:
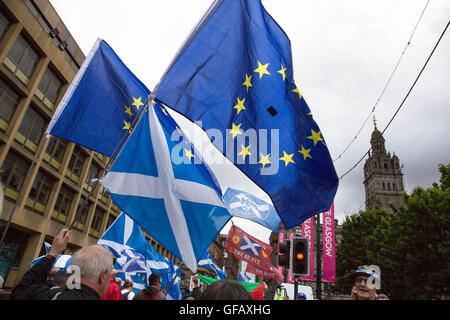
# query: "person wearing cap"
362,290
300,296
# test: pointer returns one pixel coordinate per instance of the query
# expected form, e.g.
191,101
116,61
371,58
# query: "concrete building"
383,180
38,60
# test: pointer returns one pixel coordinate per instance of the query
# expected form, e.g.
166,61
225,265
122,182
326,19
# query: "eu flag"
101,102
235,74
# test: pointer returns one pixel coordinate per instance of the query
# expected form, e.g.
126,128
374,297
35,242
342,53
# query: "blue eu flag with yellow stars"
101,102
235,74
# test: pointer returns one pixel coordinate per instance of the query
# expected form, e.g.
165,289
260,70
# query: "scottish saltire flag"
245,205
244,277
207,261
250,246
135,256
174,292
156,181
101,103
62,261
235,74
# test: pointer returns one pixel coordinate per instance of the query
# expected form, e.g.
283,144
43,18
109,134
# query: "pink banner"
329,252
280,240
308,232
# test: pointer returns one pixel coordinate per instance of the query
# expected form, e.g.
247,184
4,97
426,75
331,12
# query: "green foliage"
410,245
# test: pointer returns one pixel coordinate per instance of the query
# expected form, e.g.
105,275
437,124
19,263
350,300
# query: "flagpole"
20,195
318,262
173,280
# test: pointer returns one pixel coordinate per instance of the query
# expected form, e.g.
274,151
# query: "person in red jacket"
113,292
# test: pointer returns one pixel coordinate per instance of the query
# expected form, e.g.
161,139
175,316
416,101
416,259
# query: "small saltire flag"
101,102
207,261
245,205
62,261
135,255
244,277
235,74
247,248
156,181
174,292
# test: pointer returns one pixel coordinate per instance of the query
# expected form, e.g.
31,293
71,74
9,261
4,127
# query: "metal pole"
318,261
173,280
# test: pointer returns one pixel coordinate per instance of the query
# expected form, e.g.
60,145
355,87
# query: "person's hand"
354,294
286,298
59,243
115,272
195,280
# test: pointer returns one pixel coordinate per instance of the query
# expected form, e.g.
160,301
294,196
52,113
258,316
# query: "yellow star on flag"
240,105
298,92
137,102
264,160
128,111
164,111
287,158
248,82
127,125
262,69
305,153
235,130
245,152
315,137
188,153
282,71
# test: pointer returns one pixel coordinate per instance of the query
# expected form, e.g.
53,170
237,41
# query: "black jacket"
33,286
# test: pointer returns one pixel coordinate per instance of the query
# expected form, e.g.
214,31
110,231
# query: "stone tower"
383,180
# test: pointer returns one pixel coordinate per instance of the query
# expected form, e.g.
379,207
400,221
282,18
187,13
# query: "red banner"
308,232
247,248
328,241
273,273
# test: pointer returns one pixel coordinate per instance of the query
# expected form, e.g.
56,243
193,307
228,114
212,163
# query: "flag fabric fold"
101,102
207,261
158,184
235,74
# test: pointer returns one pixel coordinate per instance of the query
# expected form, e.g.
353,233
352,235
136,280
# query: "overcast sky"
343,54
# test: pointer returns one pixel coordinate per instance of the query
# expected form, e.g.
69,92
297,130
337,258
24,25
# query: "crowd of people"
94,278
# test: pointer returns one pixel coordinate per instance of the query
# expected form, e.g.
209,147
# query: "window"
40,192
97,222
13,173
81,216
393,186
62,206
76,164
103,194
111,219
4,25
384,186
31,129
55,152
93,173
22,59
8,104
49,89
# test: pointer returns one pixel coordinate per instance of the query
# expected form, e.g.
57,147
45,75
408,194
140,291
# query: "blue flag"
245,205
136,258
156,181
62,261
207,261
235,74
101,103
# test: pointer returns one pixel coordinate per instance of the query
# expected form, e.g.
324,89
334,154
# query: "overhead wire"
386,85
404,99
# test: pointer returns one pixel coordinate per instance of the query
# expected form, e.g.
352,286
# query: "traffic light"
284,251
300,256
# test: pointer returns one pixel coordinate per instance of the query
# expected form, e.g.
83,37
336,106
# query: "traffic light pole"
318,262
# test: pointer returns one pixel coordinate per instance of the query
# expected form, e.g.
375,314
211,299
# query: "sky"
343,52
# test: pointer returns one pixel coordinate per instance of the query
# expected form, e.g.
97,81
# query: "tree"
410,245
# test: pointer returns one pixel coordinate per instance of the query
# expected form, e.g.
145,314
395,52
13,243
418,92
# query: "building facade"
46,181
383,179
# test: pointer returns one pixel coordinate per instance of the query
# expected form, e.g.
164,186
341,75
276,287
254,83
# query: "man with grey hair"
91,267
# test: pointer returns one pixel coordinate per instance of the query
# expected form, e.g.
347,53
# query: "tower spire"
374,121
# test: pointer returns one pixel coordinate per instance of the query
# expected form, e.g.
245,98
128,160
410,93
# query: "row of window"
13,173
